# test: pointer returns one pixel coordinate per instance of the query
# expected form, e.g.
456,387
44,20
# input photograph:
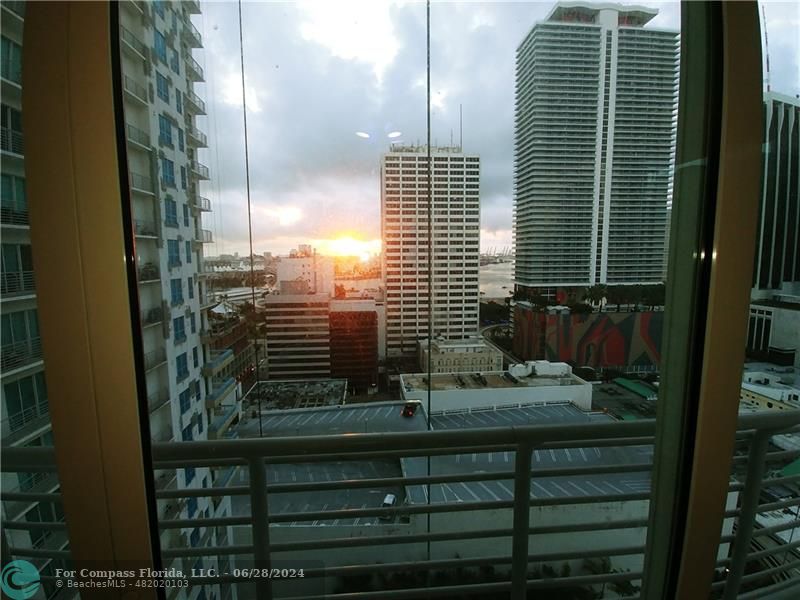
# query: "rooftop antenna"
766,40
460,128
451,137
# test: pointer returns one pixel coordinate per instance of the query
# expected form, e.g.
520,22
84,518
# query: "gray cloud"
307,104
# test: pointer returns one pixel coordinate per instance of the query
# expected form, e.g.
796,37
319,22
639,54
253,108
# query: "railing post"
259,513
747,515
522,511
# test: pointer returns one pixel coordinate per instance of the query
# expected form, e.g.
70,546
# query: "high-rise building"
595,127
406,244
159,74
298,336
354,342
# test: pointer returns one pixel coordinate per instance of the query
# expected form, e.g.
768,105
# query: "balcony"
14,215
220,391
199,170
194,71
152,316
158,399
137,7
141,183
154,359
219,361
196,138
17,355
12,141
149,273
27,423
132,44
135,90
501,534
138,138
194,104
145,229
192,6
223,417
16,283
203,236
190,35
221,337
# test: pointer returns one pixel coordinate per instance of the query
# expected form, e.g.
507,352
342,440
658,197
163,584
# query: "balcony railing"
145,228
141,183
221,389
154,359
20,354
39,412
15,6
193,69
508,527
135,89
152,316
149,272
190,35
132,42
194,104
199,169
158,399
11,141
14,215
196,138
192,6
17,282
137,136
220,360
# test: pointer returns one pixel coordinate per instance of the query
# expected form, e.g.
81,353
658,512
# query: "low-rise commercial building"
459,356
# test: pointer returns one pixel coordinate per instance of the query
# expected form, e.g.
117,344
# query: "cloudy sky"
317,72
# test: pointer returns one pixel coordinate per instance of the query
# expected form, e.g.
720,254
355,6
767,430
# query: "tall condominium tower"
596,109
406,243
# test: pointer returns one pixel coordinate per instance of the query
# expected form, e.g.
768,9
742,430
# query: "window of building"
160,46
173,253
178,102
170,212
195,358
188,246
185,215
168,172
174,61
11,60
183,177
176,291
185,400
164,131
179,327
182,366
162,87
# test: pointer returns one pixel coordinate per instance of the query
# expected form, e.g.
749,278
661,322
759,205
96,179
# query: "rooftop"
495,379
280,395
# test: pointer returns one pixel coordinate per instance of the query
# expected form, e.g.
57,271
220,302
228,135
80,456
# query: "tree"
616,295
596,294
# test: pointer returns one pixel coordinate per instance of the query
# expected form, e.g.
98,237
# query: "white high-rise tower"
596,110
406,243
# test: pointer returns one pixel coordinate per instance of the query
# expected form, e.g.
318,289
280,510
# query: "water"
497,280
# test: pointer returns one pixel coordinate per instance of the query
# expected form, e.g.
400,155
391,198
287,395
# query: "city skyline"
321,181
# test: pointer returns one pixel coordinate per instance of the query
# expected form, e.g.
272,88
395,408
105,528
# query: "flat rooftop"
386,417
416,382
278,395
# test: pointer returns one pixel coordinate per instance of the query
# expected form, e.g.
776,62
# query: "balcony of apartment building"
154,359
149,273
218,360
196,138
12,144
14,17
194,104
199,170
194,71
17,284
138,139
221,389
222,418
21,354
198,202
141,184
223,333
202,236
158,399
146,228
190,35
131,44
135,91
27,424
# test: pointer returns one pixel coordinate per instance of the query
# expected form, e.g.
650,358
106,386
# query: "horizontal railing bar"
453,563
39,553
762,553
763,531
235,490
771,456
780,480
31,525
31,496
452,535
171,465
205,551
762,508
212,522
718,585
771,590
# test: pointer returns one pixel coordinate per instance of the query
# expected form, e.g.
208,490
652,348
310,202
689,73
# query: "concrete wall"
459,399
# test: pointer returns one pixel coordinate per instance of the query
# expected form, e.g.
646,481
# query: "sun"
346,245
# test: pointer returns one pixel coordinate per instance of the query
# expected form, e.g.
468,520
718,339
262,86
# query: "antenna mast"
460,128
766,41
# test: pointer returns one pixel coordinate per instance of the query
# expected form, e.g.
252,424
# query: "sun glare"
349,246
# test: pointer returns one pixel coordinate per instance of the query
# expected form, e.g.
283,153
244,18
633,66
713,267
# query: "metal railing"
17,282
152,316
20,354
534,537
194,103
221,389
203,236
15,6
149,272
219,360
141,183
158,399
127,36
14,215
196,137
17,421
143,227
154,358
135,89
193,68
199,169
12,141
138,136
191,35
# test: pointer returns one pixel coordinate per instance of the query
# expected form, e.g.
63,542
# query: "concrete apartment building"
406,244
595,127
304,271
469,355
774,324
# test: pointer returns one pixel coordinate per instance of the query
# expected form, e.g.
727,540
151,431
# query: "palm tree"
596,294
617,295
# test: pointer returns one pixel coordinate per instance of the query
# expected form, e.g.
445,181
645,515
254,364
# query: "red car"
410,409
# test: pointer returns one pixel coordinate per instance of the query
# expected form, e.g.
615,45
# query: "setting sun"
348,246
